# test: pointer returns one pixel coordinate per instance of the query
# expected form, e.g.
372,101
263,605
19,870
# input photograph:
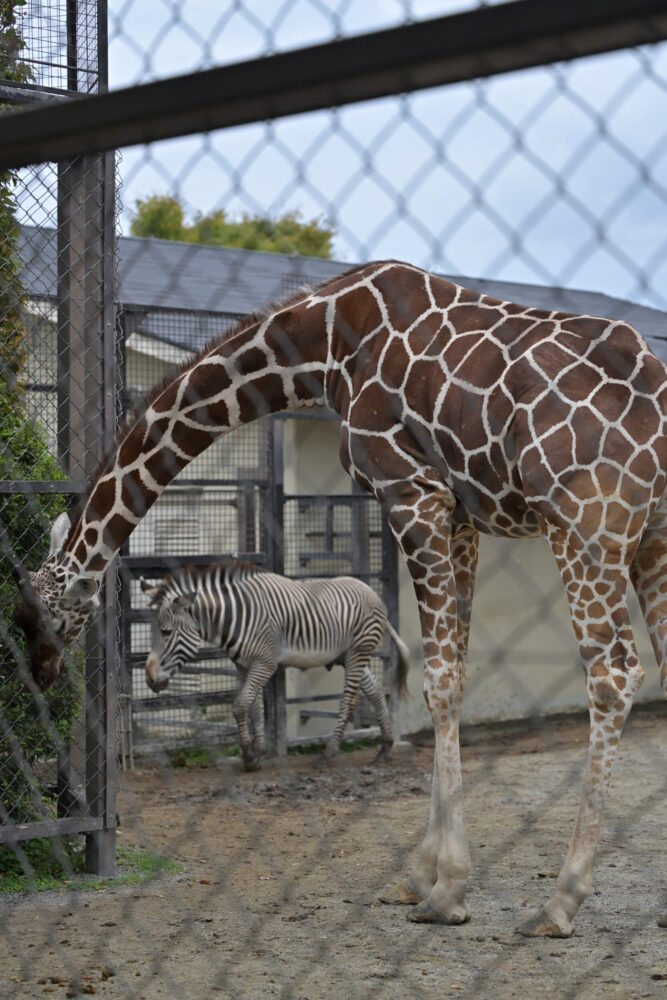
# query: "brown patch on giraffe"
102,498
395,363
617,446
161,465
457,348
644,420
97,562
576,383
286,336
550,410
262,395
525,383
370,456
615,356
115,531
452,452
644,466
483,469
444,292
460,413
356,314
587,429
484,367
81,551
421,388
499,409
430,337
190,440
135,495
374,409
214,414
611,400
559,449
404,298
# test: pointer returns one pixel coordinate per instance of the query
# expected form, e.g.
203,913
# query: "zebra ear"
183,600
147,589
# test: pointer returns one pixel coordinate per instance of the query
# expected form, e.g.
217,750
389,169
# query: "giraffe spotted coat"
461,414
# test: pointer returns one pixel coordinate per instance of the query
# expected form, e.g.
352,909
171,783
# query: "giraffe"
462,414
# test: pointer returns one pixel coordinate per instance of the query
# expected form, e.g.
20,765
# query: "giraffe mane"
138,411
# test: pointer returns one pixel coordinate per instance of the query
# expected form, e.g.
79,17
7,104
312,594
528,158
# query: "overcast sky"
554,175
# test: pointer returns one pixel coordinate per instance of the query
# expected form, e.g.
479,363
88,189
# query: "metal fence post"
275,694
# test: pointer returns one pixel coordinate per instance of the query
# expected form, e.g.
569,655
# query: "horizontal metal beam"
12,92
64,486
464,46
50,828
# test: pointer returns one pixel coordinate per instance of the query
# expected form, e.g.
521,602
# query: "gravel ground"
281,871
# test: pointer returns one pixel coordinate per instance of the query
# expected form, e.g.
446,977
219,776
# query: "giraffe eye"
61,628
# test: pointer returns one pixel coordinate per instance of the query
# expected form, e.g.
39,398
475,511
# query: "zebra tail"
403,661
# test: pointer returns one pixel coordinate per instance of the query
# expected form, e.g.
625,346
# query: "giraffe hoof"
662,920
252,764
383,754
542,925
403,893
427,913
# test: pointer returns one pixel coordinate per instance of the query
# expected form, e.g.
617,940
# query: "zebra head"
174,635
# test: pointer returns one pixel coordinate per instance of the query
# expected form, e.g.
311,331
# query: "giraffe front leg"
422,526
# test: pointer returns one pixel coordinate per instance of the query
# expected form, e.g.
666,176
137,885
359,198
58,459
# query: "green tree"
163,216
27,733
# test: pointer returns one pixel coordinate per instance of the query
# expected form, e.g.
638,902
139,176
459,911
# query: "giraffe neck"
264,366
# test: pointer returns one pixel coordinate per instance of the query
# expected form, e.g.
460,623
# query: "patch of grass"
347,746
42,865
200,756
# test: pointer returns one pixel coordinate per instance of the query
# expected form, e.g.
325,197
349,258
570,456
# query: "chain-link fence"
519,149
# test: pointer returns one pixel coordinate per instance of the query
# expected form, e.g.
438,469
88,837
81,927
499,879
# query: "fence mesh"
545,186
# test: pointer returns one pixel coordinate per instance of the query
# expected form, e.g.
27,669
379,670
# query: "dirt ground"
281,872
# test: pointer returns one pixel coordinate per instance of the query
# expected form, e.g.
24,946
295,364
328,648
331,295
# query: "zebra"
263,620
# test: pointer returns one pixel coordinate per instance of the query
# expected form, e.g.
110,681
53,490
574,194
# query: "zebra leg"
257,722
244,703
355,665
375,695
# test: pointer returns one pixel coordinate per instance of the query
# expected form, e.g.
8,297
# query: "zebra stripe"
263,620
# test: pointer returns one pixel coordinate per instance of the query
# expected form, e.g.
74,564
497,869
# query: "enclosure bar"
50,828
26,93
41,486
443,50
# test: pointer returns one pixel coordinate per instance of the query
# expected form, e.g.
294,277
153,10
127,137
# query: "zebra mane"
188,578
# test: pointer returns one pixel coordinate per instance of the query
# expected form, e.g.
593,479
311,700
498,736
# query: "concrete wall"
523,659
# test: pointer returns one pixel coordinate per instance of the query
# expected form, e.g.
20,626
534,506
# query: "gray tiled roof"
183,276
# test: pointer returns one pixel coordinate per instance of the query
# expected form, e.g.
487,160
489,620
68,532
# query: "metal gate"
232,501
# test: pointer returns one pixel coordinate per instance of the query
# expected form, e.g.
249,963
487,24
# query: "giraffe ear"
83,591
59,532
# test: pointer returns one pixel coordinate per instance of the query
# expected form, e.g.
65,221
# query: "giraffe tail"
403,661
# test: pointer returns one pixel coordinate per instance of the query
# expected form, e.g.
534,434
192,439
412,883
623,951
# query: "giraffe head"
56,604
174,635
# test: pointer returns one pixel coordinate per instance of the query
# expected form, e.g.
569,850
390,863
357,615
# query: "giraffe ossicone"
462,414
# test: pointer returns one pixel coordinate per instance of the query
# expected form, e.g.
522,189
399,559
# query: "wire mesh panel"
519,150
59,398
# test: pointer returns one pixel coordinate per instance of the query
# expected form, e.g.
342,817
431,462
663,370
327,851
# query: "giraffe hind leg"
597,594
649,577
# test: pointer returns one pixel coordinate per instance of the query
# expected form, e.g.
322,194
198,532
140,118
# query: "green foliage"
31,728
163,217
58,865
